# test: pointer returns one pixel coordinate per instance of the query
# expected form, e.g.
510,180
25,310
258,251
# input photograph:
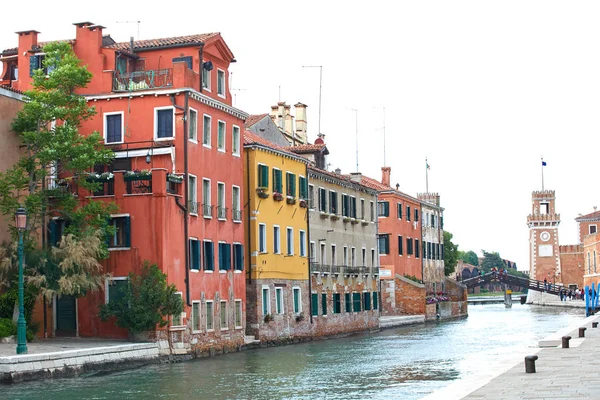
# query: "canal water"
402,363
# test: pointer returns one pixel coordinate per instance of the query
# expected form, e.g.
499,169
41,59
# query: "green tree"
144,302
491,260
470,257
450,254
55,153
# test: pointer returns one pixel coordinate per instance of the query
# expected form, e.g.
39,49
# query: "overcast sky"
482,89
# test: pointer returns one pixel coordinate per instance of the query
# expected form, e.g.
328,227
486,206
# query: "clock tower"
544,254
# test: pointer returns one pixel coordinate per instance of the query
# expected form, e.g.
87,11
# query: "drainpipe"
309,251
185,195
248,217
201,69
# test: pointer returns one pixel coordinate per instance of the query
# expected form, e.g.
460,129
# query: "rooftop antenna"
320,87
234,89
356,125
383,128
132,22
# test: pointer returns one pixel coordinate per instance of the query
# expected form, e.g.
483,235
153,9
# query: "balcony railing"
207,210
193,207
236,214
60,187
139,186
221,212
105,189
143,80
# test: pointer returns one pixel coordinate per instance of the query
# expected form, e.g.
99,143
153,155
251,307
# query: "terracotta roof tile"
251,138
374,184
591,216
253,119
13,50
341,177
172,41
307,148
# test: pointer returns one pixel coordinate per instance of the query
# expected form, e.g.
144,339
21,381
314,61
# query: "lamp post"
21,224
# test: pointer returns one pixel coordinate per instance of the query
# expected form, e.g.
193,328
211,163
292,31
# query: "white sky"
482,89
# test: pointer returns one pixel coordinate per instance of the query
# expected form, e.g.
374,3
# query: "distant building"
590,237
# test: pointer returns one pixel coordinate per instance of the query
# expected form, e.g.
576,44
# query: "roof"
380,187
308,148
344,178
252,138
595,216
164,42
11,89
253,119
13,50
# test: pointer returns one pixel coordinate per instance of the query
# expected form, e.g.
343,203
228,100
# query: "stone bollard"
530,364
565,342
582,332
594,324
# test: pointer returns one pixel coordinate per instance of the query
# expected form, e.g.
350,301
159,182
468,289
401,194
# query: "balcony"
236,215
207,210
139,186
193,207
143,80
221,212
60,187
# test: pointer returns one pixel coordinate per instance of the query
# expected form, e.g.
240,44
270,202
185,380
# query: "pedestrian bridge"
508,279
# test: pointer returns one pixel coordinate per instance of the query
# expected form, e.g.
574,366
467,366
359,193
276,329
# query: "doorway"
66,316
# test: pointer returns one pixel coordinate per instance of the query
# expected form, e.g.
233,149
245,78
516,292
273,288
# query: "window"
352,207
409,246
223,312
333,203
177,319
221,83
400,246
121,238
375,300
297,300
544,208
353,257
593,229
113,127
424,246
262,238
399,206
408,213
209,256
290,241
114,289
364,257
416,215
384,244
324,303
356,301
429,250
345,205
206,131
322,200
290,184
224,256
236,213
311,197
266,300
362,209
345,260
206,203
314,305
366,301
416,248
238,257
303,189
221,136
278,300
193,125
373,262
221,210
238,313
312,251
323,254
302,243
276,240
205,79
337,303
372,206
195,316
263,176
235,140
194,254
277,183
383,209
348,302
209,316
192,195
164,123
333,255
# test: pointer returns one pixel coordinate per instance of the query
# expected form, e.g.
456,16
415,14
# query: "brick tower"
544,256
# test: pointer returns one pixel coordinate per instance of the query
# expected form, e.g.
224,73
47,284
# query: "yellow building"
276,200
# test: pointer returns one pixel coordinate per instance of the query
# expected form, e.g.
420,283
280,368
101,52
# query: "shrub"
7,327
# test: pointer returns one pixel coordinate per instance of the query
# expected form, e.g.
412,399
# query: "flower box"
277,196
262,192
290,200
137,175
303,203
300,317
174,178
346,219
364,223
354,221
334,217
103,177
268,318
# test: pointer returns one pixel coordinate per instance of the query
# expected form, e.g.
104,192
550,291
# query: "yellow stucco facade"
275,196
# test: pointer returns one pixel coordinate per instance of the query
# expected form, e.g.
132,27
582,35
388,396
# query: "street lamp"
21,224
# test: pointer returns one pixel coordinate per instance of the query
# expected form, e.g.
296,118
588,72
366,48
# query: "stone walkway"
58,344
561,374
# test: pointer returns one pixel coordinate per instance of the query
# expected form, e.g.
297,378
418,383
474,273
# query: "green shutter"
324,303
34,63
293,179
303,188
221,258
375,300
348,302
263,175
127,233
52,228
314,304
227,256
386,208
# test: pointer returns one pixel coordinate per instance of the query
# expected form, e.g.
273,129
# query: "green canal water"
404,363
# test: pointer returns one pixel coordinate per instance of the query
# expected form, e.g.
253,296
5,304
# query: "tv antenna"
232,89
132,22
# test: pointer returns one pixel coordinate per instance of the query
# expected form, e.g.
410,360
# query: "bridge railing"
513,280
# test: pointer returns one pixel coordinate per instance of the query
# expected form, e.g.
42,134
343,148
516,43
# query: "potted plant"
268,318
303,203
174,178
103,177
346,219
300,317
290,200
277,196
261,191
137,175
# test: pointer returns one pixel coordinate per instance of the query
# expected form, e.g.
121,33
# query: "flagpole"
542,174
426,176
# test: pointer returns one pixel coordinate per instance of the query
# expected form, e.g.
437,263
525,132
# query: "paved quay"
561,373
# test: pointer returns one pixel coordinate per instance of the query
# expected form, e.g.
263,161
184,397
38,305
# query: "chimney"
338,171
88,37
385,175
27,41
288,121
397,186
301,122
356,177
280,114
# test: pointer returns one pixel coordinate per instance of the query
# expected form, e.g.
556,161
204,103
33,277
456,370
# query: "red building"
163,105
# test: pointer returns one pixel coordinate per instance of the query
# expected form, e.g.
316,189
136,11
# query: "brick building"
590,239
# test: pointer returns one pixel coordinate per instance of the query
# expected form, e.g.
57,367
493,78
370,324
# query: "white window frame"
224,94
262,298
224,200
182,315
273,169
311,202
195,138
156,110
323,252
590,229
195,193
235,142
353,256
333,254
107,283
373,257
302,242
262,238
212,307
192,238
299,289
363,253
372,210
199,316
276,239
279,294
345,255
239,204
209,197
209,144
224,148
289,240
312,251
363,209
241,305
221,316
207,81
105,133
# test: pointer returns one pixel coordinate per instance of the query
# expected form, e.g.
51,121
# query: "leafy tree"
55,156
145,301
470,257
450,254
491,260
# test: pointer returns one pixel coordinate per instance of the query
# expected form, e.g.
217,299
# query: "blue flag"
543,163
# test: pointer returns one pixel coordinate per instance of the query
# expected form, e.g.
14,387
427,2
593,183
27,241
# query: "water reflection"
406,363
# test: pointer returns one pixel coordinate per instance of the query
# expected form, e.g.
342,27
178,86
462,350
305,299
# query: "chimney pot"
338,171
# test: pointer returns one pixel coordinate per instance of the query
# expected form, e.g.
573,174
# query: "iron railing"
236,214
221,212
105,189
143,80
60,187
193,207
139,186
207,210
